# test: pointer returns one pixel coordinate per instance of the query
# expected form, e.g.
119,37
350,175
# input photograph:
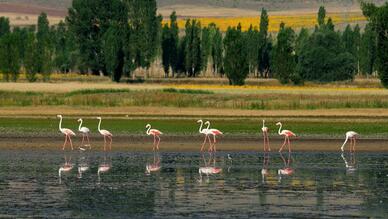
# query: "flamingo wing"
84,130
288,133
215,132
264,129
68,132
105,132
155,132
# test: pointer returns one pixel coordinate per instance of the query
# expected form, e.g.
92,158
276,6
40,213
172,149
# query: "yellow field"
308,20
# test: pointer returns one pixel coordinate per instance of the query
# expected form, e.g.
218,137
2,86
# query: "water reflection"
65,167
350,163
155,165
83,164
264,169
286,170
104,166
209,167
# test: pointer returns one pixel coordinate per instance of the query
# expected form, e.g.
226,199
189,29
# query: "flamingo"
156,133
264,170
106,134
265,129
103,168
83,166
352,136
214,132
204,131
67,132
85,133
350,166
287,134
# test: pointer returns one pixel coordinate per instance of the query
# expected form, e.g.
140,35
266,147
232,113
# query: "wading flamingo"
352,136
264,129
287,134
206,132
214,132
85,133
66,167
287,170
156,133
67,132
106,135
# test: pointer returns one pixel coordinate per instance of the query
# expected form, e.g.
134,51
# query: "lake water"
43,183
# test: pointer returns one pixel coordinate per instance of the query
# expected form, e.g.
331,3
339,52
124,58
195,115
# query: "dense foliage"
114,38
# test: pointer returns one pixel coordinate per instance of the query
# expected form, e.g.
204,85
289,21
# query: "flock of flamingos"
207,132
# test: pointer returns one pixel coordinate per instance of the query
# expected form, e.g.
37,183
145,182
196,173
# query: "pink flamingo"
214,132
67,132
106,134
265,129
287,134
352,136
204,131
156,133
208,169
85,133
104,167
66,167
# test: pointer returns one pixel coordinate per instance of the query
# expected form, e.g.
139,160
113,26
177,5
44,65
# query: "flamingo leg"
64,144
87,137
71,143
285,141
153,146
210,143
289,145
214,143
269,149
110,144
354,145
157,146
204,142
265,148
351,145
104,143
83,138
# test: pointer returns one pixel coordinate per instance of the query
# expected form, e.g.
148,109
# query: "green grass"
217,99
177,126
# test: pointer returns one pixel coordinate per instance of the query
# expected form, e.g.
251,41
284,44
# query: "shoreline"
193,144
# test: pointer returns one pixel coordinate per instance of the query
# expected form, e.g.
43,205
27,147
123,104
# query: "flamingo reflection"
209,168
351,163
286,170
104,167
65,167
83,166
264,170
155,166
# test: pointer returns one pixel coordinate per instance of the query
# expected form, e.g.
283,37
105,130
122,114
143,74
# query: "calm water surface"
121,185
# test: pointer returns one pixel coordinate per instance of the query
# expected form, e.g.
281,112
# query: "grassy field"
296,21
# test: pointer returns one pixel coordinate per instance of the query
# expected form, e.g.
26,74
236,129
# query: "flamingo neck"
148,130
80,124
208,125
99,125
343,145
200,127
60,124
263,124
280,128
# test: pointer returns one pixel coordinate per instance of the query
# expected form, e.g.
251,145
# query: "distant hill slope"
191,8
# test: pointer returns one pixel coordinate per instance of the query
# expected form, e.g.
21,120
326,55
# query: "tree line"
114,38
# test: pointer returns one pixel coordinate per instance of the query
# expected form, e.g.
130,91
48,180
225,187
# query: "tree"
43,47
166,52
9,56
193,54
321,16
252,37
378,17
236,61
174,41
265,46
4,26
368,51
217,51
284,54
113,51
30,57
